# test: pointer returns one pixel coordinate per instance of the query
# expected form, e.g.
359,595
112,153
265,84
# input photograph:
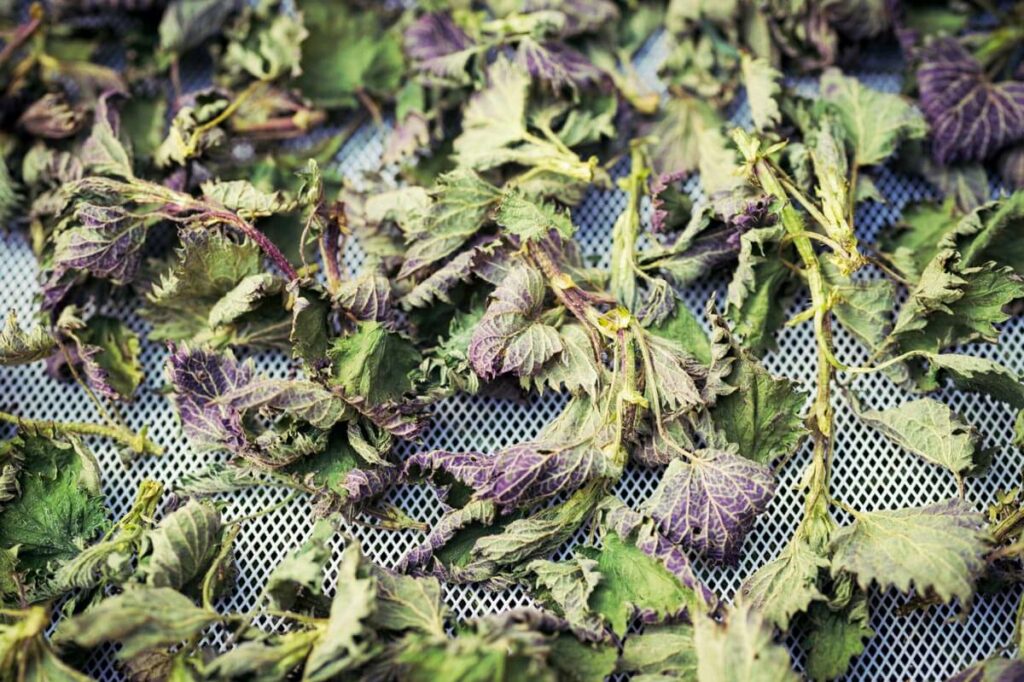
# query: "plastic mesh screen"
870,473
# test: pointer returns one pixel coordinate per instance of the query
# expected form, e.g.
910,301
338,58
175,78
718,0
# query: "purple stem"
261,240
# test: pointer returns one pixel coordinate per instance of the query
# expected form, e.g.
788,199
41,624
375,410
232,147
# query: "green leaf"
875,122
19,347
309,334
302,570
271,47
836,637
10,196
241,197
755,300
914,241
991,233
971,373
373,363
347,641
665,650
763,415
575,369
140,619
529,219
347,50
188,23
633,581
60,508
461,203
208,266
787,585
863,307
683,327
940,548
270,660
930,430
25,652
474,657
119,352
568,584
740,650
952,305
183,544
762,83
408,603
577,661
494,118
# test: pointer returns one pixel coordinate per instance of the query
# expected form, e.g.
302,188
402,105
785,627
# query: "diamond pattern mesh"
869,472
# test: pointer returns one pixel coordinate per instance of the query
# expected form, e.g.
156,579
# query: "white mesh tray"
869,472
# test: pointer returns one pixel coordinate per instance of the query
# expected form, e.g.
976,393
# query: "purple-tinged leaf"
971,117
557,64
363,484
409,136
436,45
406,419
1011,166
366,297
454,520
301,399
106,241
471,468
673,375
509,339
526,473
200,378
478,256
660,184
581,16
628,524
710,503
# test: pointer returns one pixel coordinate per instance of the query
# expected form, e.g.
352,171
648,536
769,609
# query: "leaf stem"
137,442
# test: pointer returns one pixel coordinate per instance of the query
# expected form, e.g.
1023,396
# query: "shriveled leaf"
787,585
18,346
972,373
183,545
762,83
139,619
664,650
753,298
302,570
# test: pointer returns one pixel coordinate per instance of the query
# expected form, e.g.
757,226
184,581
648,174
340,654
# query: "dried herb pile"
219,215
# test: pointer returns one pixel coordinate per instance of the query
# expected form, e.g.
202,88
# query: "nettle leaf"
971,117
408,603
347,51
140,619
930,430
208,266
938,548
529,219
367,296
272,658
200,378
347,640
105,241
863,307
576,368
556,63
510,338
988,233
305,400
494,118
529,472
569,584
302,570
836,637
875,122
711,502
914,241
19,347
241,197
741,649
755,299
787,585
633,582
476,513
991,670
952,304
461,203
117,357
188,23
60,508
662,650
183,544
971,373
437,46
762,415
676,133
762,83
25,651
373,363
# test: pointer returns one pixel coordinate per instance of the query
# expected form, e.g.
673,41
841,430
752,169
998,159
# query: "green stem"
137,442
